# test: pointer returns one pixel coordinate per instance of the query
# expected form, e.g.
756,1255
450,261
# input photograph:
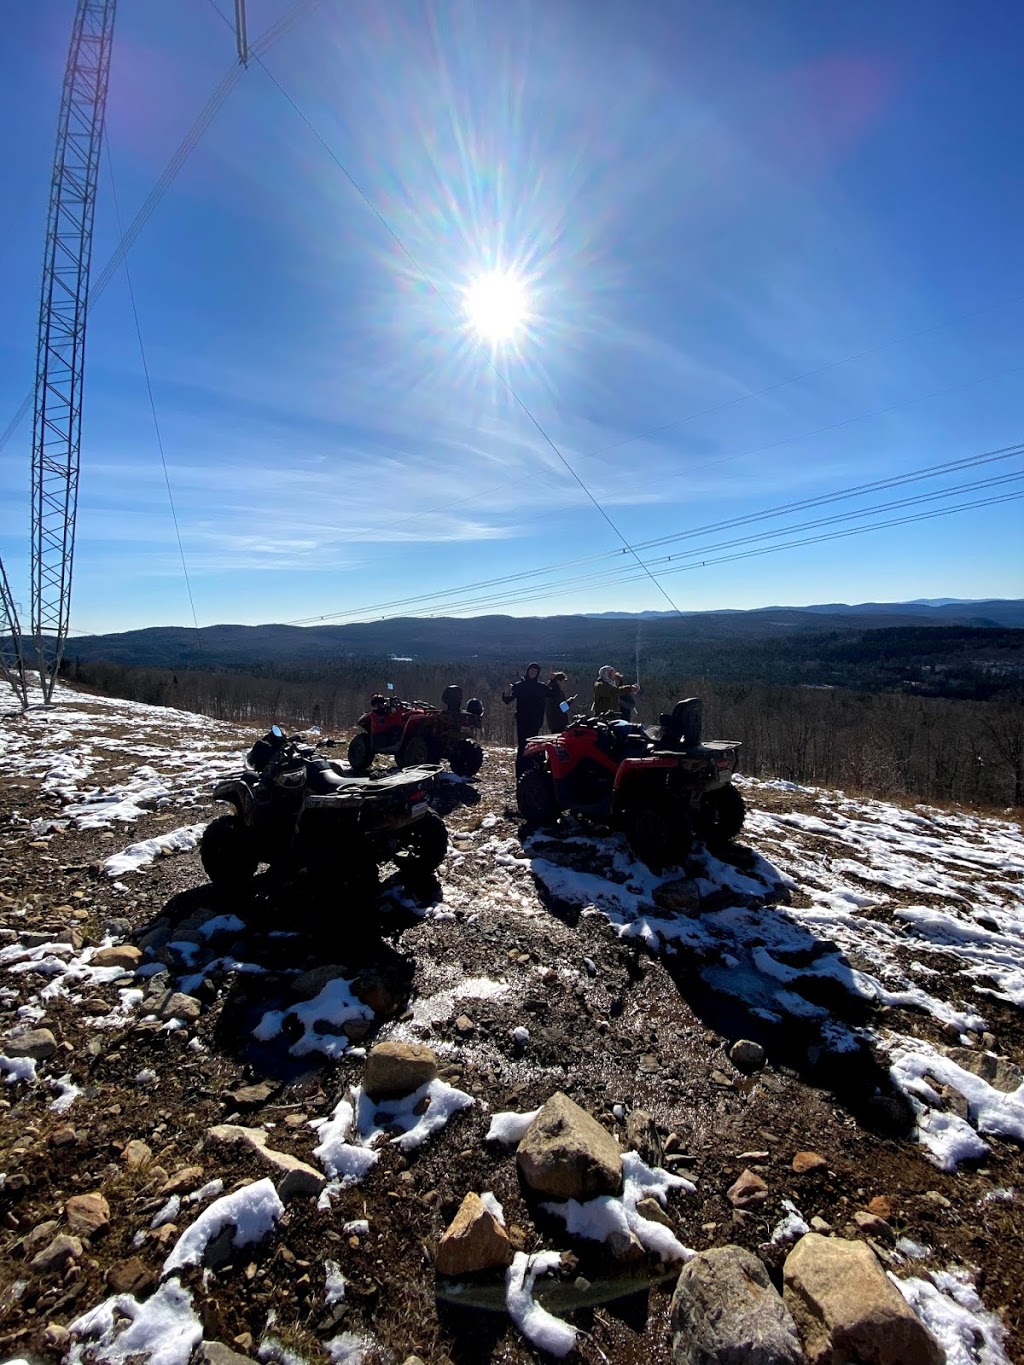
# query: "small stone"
87,1214
464,1026
748,1189
39,1237
96,1006
394,1069
650,1209
184,1179
747,1056
216,1353
818,1224
881,1206
137,1155
57,1254
63,1137
124,955
250,1096
939,1200
720,1078
180,1006
873,1226
473,1241
37,1043
130,1277
57,1338
804,1162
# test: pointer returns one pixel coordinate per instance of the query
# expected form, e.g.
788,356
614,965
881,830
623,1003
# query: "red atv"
416,732
663,786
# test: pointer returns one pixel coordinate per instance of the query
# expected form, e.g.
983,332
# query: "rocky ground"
872,953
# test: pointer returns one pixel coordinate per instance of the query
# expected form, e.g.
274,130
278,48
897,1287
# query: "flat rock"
747,1056
130,1277
566,1154
250,1096
137,1155
184,1179
87,1214
177,1005
37,1043
650,1209
808,1161
873,1226
398,1069
748,1189
846,1308
124,955
57,1254
216,1353
1000,1072
680,897
309,984
474,1240
39,1237
292,1176
726,1311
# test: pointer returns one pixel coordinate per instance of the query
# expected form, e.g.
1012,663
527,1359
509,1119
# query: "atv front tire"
360,753
535,797
426,843
721,815
465,758
657,835
227,853
415,751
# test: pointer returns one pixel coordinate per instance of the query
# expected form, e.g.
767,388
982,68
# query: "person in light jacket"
608,693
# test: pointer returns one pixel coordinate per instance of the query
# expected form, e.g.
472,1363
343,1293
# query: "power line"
804,504
149,390
178,158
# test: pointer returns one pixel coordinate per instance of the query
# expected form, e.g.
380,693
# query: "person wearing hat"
556,712
530,696
609,690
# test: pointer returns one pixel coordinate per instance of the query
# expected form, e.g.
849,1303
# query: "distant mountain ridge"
519,637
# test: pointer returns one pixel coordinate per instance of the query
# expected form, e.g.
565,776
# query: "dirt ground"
609,1024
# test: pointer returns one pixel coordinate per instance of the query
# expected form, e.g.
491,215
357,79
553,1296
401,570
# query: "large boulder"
726,1311
398,1069
566,1154
474,1240
37,1043
846,1308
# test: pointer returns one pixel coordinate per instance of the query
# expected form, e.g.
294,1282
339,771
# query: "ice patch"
948,1304
615,1216
509,1128
347,1138
335,1006
138,855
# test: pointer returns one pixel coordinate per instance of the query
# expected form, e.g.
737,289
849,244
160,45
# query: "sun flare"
496,306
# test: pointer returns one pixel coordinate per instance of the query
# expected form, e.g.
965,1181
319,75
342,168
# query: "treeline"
886,744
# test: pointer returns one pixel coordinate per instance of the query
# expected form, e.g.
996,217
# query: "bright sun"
495,305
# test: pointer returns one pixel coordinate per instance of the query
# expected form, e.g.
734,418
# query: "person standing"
530,696
609,691
556,711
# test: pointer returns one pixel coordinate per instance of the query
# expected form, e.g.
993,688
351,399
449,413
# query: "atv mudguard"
237,793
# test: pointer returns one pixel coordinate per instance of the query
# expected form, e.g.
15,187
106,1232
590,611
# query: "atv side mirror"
277,732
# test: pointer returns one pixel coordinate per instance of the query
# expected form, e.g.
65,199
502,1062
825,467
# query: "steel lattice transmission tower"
60,354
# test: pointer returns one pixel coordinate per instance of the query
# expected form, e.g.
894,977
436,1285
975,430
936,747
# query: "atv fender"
237,794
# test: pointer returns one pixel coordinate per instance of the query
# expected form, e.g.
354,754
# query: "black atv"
301,814
663,785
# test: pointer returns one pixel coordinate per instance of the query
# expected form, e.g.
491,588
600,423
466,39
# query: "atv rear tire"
535,797
721,815
465,758
657,835
227,853
415,751
426,843
360,753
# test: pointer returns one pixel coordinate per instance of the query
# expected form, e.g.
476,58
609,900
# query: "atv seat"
323,778
623,739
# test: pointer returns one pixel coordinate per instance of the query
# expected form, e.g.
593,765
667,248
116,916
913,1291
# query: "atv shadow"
745,966
285,989
450,793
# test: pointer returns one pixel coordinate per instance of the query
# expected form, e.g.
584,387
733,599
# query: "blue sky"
703,201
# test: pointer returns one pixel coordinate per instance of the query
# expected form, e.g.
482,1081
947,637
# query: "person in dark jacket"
529,695
556,711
